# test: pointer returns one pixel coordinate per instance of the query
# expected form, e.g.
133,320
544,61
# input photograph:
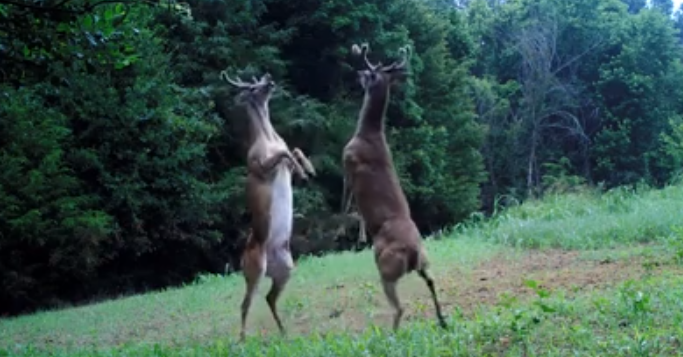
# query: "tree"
439,137
52,233
544,113
121,176
637,85
665,6
678,23
634,6
673,147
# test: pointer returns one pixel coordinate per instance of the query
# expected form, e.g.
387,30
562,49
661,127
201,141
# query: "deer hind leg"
392,296
424,274
272,297
392,266
253,267
280,265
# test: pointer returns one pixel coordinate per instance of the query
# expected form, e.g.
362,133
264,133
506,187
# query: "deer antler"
362,51
235,82
266,79
405,54
239,83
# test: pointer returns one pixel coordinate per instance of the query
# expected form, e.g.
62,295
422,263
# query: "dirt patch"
554,270
492,280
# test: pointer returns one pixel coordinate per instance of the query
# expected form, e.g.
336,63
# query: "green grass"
586,220
613,290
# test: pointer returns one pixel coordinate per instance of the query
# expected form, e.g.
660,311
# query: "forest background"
122,153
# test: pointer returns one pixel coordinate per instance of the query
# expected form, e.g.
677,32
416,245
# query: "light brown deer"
270,164
371,177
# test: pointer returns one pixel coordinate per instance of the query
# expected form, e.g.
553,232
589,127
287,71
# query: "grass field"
581,274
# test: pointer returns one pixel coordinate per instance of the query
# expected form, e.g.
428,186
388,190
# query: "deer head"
379,76
257,93
254,97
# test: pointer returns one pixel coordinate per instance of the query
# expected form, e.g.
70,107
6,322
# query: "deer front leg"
362,236
265,166
304,161
296,167
347,198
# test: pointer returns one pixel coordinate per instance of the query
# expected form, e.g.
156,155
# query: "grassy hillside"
606,282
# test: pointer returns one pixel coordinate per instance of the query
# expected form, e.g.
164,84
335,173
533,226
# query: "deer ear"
363,78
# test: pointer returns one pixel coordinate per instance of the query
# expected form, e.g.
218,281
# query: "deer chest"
281,206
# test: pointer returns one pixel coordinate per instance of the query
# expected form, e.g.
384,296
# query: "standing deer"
371,177
270,164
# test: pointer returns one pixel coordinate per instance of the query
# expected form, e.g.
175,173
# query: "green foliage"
558,178
675,243
640,69
438,151
584,220
52,232
634,6
141,146
124,163
591,82
673,146
665,6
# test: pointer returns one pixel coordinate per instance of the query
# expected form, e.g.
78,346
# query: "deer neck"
259,122
371,118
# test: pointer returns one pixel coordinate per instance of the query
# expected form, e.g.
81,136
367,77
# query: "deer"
371,179
270,168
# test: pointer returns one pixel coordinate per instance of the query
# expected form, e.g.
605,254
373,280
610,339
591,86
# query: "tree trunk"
531,166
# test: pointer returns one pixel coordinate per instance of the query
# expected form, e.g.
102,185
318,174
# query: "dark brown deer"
270,164
371,177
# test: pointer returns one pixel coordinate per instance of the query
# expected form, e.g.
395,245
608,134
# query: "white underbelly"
281,208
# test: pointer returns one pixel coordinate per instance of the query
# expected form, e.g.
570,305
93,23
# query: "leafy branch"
61,7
